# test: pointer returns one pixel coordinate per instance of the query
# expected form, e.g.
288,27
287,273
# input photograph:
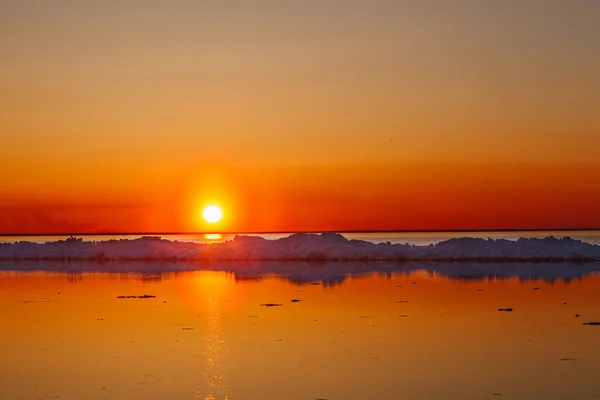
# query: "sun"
212,214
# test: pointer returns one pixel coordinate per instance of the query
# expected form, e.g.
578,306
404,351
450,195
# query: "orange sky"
350,115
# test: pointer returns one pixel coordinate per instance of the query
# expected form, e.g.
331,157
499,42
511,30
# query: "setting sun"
212,214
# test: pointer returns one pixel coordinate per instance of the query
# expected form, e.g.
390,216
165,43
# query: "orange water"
206,336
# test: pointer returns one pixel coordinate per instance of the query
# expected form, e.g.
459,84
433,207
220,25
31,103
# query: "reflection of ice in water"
215,366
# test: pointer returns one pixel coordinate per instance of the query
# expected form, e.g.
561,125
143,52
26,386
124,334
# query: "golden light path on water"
212,237
213,385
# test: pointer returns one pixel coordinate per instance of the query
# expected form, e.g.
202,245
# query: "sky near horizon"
299,115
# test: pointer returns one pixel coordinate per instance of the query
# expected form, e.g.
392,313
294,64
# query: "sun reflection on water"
214,350
212,236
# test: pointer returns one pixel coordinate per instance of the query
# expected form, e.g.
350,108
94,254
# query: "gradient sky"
299,115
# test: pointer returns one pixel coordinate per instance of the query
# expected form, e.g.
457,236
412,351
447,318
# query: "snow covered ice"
307,247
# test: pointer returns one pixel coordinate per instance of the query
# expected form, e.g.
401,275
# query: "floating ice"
307,247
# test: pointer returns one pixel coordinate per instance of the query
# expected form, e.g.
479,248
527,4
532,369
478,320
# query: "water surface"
414,334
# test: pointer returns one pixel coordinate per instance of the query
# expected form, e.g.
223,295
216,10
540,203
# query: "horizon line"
174,233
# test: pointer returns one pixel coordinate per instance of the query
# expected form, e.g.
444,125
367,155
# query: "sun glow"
212,214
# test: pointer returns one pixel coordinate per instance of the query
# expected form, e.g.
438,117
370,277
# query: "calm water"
420,238
429,332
